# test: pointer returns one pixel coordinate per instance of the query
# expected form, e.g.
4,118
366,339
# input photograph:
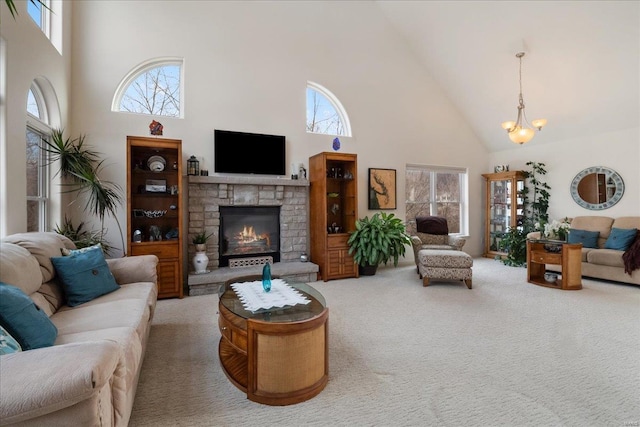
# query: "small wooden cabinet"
154,207
504,208
570,258
333,201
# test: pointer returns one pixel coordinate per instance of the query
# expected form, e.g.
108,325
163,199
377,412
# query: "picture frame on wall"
382,189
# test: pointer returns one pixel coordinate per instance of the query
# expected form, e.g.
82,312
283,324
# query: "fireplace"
249,231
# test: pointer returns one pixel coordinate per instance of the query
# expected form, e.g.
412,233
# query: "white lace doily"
254,298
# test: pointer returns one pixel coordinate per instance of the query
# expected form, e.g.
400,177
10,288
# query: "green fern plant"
378,240
201,238
80,236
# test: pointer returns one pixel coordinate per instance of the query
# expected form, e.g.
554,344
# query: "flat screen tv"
249,153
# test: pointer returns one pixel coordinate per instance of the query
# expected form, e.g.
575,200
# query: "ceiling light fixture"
520,131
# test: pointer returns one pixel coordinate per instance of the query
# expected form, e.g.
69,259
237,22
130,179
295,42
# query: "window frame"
138,71
463,182
335,103
43,130
45,15
43,117
40,125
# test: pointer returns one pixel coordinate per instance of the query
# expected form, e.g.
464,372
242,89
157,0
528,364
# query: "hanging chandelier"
521,131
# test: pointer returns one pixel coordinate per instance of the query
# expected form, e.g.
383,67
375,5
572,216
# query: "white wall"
246,68
28,54
619,150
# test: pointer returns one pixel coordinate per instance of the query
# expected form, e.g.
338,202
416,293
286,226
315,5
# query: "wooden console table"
277,356
570,258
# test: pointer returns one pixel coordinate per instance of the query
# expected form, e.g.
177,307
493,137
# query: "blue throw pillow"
24,320
8,344
589,239
84,275
620,238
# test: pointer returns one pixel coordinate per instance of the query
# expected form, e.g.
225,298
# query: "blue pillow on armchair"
85,275
620,238
589,239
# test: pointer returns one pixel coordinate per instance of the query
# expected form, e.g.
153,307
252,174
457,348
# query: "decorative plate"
156,163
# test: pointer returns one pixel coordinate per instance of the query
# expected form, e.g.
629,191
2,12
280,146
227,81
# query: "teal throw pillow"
84,275
24,320
620,238
8,344
589,239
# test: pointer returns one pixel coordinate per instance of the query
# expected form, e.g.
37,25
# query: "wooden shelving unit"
333,202
154,223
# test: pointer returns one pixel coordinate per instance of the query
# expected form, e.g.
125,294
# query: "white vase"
200,262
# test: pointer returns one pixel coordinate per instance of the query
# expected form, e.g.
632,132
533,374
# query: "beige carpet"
505,353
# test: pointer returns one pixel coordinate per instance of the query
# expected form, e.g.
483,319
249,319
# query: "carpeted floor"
505,353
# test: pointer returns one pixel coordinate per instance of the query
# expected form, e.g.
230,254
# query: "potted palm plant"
377,240
80,167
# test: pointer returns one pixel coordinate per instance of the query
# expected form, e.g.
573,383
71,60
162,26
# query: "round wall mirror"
597,188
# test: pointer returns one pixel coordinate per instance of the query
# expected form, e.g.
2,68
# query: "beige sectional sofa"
89,376
603,263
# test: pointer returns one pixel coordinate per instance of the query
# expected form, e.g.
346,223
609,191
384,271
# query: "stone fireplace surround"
205,194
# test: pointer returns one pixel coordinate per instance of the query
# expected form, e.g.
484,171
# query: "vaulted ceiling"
581,70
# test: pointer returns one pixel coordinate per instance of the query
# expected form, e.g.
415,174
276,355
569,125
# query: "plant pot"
367,270
201,247
200,262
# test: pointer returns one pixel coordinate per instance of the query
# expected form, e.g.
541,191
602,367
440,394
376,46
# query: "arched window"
325,113
153,87
35,104
38,128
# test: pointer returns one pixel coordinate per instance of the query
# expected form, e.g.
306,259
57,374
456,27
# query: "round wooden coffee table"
277,356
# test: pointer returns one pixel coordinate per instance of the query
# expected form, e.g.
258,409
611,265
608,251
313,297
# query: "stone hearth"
207,193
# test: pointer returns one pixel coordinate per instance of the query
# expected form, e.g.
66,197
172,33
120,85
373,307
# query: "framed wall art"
382,189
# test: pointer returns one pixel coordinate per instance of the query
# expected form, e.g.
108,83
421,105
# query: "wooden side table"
570,258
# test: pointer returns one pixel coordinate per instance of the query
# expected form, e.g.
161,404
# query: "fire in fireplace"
249,231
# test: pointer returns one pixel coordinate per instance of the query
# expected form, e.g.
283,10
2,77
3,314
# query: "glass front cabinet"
504,208
333,204
154,207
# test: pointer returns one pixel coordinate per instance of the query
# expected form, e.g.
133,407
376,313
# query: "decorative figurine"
156,128
336,143
266,277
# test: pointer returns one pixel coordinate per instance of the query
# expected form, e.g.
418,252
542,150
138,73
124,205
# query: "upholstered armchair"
433,233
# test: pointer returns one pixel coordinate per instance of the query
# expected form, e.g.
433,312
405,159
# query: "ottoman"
444,264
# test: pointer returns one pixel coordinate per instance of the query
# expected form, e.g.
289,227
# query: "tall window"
152,88
36,166
437,191
40,12
36,182
325,113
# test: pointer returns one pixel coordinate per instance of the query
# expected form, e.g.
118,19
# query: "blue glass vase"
266,277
